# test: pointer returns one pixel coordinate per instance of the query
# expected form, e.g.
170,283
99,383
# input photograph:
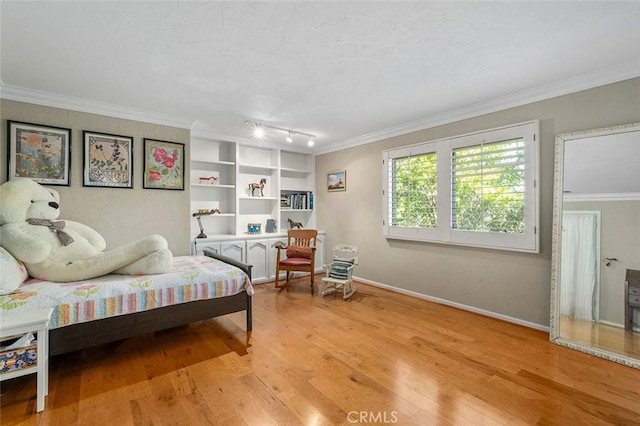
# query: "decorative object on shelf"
211,180
42,153
254,228
271,226
198,217
163,165
259,128
260,186
108,160
293,224
337,181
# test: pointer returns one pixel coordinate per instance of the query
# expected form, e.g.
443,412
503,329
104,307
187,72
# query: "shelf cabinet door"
258,256
197,248
234,249
273,254
320,256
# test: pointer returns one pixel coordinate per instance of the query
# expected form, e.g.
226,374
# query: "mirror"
596,241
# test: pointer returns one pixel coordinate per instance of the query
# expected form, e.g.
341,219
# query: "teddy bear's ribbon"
56,226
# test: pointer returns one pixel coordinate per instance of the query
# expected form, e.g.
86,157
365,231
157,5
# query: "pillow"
299,251
12,272
339,269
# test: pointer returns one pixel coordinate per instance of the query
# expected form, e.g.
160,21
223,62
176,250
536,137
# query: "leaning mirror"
595,304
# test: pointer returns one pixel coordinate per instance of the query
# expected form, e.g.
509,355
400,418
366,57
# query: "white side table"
23,323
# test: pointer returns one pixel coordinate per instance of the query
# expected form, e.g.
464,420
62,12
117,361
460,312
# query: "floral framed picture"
337,181
39,152
163,165
108,160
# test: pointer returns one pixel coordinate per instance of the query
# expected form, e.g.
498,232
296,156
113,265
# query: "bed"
115,307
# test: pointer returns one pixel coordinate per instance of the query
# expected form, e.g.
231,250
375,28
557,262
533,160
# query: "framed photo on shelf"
337,181
39,152
163,165
108,160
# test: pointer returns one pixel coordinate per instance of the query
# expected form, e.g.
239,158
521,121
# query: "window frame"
528,241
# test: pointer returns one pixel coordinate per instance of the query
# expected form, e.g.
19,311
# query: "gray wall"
506,283
120,215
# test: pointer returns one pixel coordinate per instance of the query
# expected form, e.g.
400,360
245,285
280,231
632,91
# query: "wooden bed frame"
93,333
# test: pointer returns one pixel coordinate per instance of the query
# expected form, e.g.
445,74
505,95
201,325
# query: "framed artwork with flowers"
163,165
39,152
108,160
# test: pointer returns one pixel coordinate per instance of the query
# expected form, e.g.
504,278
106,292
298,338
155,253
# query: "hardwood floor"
378,358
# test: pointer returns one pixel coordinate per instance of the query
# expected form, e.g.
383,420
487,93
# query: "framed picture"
42,153
108,160
337,181
163,165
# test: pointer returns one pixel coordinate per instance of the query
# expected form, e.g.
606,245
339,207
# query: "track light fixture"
259,128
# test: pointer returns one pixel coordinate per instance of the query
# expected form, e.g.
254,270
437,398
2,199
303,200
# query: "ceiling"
348,72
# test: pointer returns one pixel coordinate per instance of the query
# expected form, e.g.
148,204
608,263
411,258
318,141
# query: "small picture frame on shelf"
337,181
108,160
163,165
39,152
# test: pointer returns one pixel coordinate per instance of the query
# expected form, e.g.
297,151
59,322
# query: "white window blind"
478,189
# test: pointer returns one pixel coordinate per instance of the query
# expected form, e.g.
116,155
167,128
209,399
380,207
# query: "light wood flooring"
378,358
601,336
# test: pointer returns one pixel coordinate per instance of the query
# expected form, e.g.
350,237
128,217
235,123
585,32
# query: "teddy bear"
64,251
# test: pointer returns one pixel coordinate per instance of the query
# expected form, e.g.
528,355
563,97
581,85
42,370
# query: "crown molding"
21,94
574,84
585,81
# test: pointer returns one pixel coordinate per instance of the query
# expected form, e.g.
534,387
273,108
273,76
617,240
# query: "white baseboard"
455,305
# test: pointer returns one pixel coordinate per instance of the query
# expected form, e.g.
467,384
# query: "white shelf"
208,185
258,198
285,170
256,168
215,162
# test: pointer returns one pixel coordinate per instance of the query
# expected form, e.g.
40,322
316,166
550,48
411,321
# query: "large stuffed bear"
64,251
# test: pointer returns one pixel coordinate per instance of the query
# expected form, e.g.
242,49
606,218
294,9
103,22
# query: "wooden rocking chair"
300,254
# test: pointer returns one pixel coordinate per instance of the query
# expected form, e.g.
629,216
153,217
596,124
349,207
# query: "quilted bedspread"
190,278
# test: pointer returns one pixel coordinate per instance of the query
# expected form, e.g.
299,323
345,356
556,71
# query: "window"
478,189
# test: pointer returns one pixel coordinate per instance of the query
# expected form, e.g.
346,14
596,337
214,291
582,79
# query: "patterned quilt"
190,278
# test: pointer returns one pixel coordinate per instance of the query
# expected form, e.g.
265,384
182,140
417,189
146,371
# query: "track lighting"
259,128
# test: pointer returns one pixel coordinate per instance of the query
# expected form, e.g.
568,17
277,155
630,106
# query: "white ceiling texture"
349,72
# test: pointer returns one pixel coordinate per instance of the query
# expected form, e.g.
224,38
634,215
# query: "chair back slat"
302,237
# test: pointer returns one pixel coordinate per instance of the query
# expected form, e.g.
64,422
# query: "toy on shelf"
293,224
260,186
208,179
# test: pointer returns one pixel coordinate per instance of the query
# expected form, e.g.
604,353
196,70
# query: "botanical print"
164,165
108,160
39,153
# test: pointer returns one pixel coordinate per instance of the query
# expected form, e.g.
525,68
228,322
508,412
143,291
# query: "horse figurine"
260,186
211,179
293,224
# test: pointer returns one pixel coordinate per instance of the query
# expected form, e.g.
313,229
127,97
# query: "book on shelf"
297,201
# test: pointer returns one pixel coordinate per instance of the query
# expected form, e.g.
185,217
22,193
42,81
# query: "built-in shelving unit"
227,169
223,175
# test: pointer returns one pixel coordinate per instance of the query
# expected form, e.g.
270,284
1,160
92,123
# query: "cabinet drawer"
634,301
634,291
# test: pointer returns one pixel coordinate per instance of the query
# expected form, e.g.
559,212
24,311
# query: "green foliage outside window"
414,193
488,187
